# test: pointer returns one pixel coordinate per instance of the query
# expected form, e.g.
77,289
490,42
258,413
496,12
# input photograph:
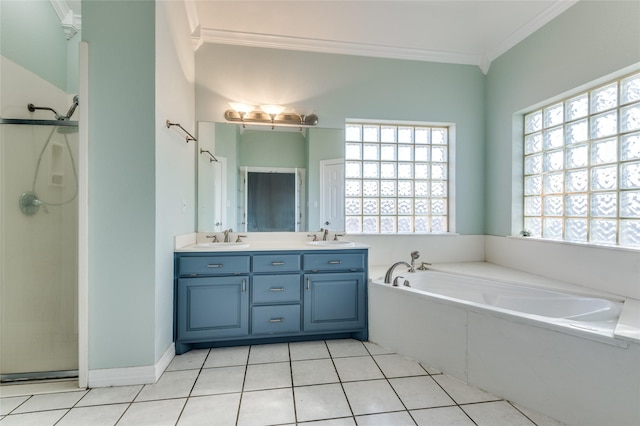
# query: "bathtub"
550,351
586,314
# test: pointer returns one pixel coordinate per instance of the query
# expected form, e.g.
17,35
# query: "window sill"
577,243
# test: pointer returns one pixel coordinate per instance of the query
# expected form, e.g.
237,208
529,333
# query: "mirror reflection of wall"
263,147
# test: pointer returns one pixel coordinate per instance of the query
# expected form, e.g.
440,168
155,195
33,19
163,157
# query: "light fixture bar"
289,119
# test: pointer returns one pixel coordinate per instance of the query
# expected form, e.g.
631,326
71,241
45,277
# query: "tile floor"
329,383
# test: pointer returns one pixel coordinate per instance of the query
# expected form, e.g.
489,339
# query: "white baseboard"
131,375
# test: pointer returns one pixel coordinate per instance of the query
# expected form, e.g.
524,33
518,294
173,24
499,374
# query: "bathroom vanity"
254,295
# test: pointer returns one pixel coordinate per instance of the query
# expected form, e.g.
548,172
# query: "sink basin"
221,246
332,243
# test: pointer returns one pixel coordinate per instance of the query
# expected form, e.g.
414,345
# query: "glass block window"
582,166
396,178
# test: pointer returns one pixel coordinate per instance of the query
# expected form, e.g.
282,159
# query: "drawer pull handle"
277,263
276,320
335,262
244,285
308,284
276,289
215,265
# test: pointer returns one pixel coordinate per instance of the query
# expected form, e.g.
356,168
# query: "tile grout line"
455,402
130,404
86,392
353,416
192,386
391,386
244,380
521,412
293,391
19,405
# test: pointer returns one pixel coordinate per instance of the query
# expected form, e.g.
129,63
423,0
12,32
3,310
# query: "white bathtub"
588,314
547,350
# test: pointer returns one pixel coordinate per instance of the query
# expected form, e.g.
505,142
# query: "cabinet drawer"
276,263
213,265
334,262
275,319
276,288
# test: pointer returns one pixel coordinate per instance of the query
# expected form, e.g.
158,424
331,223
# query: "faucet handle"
336,235
238,240
423,266
395,281
315,237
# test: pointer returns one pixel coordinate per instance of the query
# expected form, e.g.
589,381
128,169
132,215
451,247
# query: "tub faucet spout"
388,275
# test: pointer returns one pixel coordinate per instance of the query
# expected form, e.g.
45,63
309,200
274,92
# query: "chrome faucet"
324,235
227,239
388,275
414,255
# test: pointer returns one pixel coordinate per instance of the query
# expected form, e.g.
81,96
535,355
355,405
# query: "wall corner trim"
145,375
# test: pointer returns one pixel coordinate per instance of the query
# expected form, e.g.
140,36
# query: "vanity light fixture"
270,115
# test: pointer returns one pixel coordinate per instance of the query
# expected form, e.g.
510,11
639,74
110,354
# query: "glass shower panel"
38,254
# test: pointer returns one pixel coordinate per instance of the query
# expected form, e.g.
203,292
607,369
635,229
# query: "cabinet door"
211,308
334,301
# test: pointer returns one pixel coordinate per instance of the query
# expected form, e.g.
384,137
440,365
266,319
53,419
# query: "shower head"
74,105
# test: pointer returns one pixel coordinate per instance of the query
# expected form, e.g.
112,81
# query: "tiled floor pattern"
323,383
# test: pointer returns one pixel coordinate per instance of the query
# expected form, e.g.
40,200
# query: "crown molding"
70,21
192,15
542,19
483,61
238,38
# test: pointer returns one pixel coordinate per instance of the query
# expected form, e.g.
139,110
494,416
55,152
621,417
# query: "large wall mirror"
269,180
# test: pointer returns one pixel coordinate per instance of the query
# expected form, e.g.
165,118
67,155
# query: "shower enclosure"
38,251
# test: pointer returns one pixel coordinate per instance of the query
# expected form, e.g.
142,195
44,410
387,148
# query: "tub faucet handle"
414,255
395,280
423,266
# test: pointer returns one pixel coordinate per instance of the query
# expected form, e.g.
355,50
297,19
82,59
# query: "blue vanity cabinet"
335,292
211,299
243,298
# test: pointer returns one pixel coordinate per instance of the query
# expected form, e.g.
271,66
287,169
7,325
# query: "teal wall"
271,148
33,38
228,146
337,87
122,209
175,161
588,41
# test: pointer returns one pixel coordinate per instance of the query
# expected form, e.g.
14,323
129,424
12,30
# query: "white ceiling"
466,32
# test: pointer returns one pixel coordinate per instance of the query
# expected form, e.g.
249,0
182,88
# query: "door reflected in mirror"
272,199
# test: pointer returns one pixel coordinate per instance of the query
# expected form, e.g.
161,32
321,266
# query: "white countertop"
262,241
